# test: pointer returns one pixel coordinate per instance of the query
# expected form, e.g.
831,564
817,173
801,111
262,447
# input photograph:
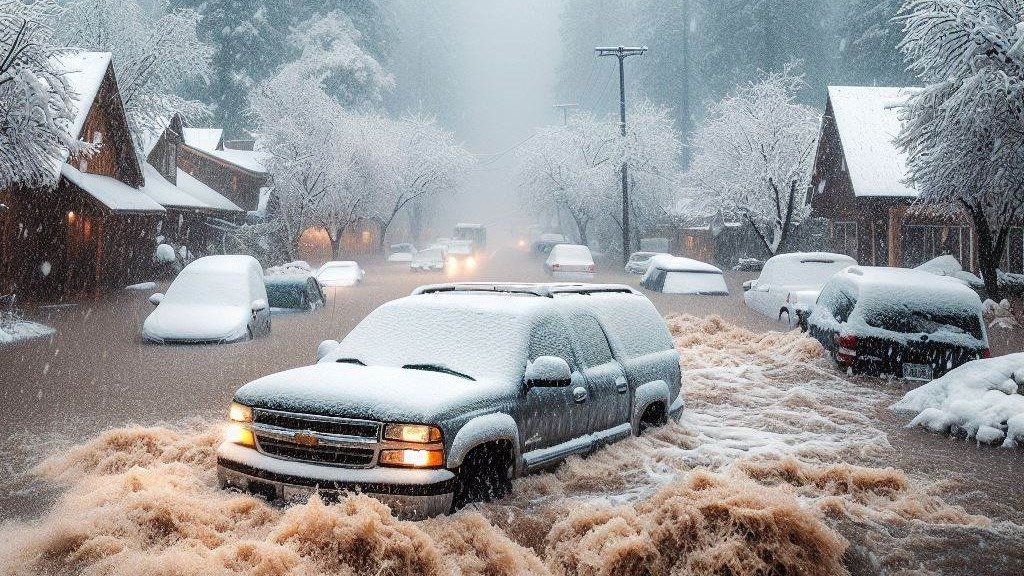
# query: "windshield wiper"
438,368
355,361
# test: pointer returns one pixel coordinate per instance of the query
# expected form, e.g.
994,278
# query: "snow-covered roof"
868,122
251,160
111,192
167,194
883,279
84,72
203,193
205,139
680,264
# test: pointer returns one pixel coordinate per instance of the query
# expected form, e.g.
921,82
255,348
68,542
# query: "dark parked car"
442,397
898,322
294,293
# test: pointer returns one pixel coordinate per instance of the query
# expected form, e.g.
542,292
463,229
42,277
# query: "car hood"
370,392
196,323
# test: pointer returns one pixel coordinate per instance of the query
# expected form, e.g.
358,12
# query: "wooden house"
95,226
859,184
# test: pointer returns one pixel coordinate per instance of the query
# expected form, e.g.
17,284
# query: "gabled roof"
205,139
84,72
111,192
193,187
185,195
867,119
251,160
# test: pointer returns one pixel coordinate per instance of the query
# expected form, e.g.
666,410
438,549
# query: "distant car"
788,280
441,398
898,322
475,233
401,253
640,261
461,255
570,262
340,273
428,259
674,275
214,299
294,293
547,241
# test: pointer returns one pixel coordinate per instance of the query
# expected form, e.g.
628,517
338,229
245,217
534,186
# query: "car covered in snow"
790,280
401,253
570,262
340,273
549,240
214,299
294,293
442,397
461,255
898,322
432,258
639,262
675,275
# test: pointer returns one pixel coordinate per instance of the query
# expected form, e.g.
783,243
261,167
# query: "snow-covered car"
402,253
788,280
675,275
340,273
549,240
428,259
442,397
898,322
570,262
294,293
639,262
214,299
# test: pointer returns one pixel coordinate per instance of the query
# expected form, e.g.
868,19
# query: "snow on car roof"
111,192
811,257
225,264
904,280
680,264
868,121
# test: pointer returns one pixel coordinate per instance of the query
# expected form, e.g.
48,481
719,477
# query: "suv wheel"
653,417
485,475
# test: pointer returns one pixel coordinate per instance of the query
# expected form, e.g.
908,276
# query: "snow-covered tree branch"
753,155
964,131
36,105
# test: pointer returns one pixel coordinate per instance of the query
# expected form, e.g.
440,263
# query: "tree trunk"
335,244
989,252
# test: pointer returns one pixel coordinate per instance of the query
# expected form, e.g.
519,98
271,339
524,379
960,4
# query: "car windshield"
469,341
287,294
208,288
926,321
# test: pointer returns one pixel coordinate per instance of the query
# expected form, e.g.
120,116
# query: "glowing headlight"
412,458
240,413
418,433
471,263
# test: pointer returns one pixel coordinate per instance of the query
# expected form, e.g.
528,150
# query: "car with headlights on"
440,398
215,299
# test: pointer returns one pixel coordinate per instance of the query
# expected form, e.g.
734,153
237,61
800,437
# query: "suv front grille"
326,455
323,425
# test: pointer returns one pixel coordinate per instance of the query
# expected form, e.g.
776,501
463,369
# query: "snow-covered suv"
442,397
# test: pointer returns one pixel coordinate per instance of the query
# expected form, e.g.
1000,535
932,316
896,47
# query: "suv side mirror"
156,299
548,372
748,285
259,305
325,348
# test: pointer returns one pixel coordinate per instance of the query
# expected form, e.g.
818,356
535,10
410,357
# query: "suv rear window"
925,322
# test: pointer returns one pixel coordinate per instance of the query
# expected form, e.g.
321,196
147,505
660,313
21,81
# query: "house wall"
240,186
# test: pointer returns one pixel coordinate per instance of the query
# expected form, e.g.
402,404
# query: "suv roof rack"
523,288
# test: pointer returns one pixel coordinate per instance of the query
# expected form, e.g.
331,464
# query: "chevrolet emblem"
306,439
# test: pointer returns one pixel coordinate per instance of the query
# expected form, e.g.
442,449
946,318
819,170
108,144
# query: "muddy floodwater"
780,465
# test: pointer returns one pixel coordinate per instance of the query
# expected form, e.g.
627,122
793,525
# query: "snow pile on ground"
164,254
770,472
13,331
948,265
981,399
296,268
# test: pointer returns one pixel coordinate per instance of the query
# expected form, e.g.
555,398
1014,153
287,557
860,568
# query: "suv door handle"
622,385
579,394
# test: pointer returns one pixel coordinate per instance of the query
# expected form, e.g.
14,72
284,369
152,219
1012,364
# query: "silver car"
441,398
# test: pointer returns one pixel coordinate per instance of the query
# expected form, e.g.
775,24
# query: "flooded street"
778,458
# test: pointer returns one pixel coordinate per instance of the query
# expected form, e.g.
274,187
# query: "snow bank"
296,268
20,330
982,398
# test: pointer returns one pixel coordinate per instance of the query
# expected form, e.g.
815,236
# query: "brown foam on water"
767,474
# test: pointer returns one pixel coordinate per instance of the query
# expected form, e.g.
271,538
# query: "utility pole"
622,53
565,111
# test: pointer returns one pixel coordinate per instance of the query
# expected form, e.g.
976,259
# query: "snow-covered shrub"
981,398
164,254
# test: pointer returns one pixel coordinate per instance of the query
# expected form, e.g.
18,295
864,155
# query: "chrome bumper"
411,494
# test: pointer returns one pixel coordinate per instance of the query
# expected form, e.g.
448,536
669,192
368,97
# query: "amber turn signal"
412,458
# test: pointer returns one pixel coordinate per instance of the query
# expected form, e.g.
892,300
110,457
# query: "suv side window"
594,349
844,305
550,337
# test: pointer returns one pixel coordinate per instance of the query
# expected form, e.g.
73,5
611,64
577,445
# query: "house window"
843,238
921,243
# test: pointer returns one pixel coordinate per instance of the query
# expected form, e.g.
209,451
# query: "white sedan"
340,273
788,280
214,299
571,262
